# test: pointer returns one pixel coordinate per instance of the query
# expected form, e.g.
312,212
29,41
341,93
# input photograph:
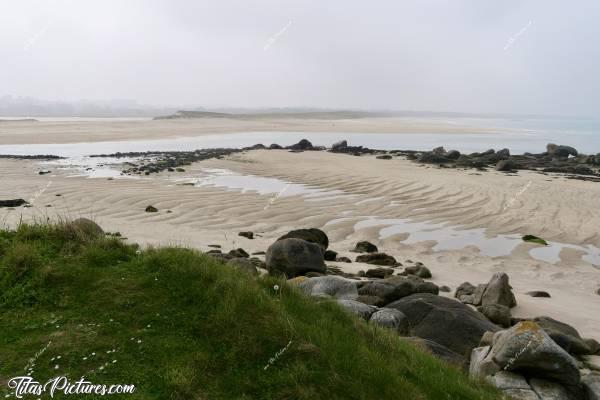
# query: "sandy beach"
97,130
353,198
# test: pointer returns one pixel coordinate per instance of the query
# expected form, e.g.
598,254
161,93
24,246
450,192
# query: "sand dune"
361,188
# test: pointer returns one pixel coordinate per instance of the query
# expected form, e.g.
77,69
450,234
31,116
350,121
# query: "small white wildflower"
276,287
114,361
56,366
148,326
53,358
111,320
101,368
139,341
84,358
93,354
138,252
58,357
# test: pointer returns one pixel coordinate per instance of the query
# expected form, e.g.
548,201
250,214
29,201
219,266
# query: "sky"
509,56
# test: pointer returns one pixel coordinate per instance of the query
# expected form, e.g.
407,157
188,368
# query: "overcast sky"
506,56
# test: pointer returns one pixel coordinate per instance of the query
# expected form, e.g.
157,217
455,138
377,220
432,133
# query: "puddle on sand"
90,167
454,238
262,185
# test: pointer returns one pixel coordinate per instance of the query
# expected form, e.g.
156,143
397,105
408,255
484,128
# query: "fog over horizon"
509,57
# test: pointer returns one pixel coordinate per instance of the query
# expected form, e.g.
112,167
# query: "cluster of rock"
556,158
152,162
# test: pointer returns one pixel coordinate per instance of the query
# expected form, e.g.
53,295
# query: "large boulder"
339,146
303,144
365,247
445,321
312,235
498,291
360,309
418,270
464,292
552,390
564,335
396,287
294,257
560,151
591,385
244,265
330,286
83,228
527,349
379,272
377,259
12,203
393,319
497,313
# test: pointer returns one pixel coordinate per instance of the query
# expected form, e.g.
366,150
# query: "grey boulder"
392,319
312,235
330,286
360,309
294,257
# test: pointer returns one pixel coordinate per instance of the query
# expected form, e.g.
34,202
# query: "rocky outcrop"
312,235
564,335
294,257
418,270
379,273
444,321
496,313
560,151
12,203
330,286
377,259
397,287
303,144
496,291
365,247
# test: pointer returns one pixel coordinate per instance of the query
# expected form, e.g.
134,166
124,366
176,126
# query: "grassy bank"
179,325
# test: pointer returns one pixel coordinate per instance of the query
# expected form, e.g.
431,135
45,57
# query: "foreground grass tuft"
180,325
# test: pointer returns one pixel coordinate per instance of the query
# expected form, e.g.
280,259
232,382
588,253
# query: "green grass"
184,326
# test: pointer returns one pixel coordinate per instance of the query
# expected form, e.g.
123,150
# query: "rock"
509,380
330,286
591,385
439,151
419,270
294,257
593,345
497,313
445,289
247,234
598,291
453,154
343,259
379,273
360,309
239,253
464,292
445,321
384,157
377,259
12,203
84,228
521,394
560,151
371,300
503,153
312,235
151,209
303,144
338,146
498,291
548,390
564,335
481,364
506,165
365,247
487,339
259,253
275,146
393,319
243,264
526,347
436,350
330,255
534,239
396,287
538,293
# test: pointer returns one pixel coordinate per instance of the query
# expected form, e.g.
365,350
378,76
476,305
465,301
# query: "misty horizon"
509,58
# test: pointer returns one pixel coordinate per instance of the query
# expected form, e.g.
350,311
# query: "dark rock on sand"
396,287
444,321
379,273
330,255
339,146
294,257
239,253
151,209
365,247
303,144
84,228
538,293
499,291
560,151
465,292
360,309
312,235
12,203
247,234
506,165
497,313
377,259
534,239
564,335
445,289
384,157
418,270
343,259
275,146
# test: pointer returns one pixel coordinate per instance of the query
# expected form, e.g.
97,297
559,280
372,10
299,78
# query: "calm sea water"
529,135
